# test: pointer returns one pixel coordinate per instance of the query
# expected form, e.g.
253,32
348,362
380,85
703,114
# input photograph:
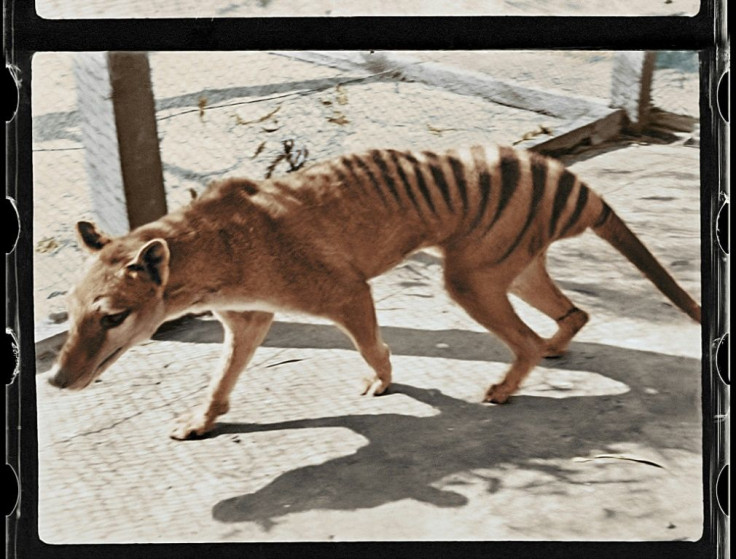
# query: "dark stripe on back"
508,168
605,214
539,178
421,182
378,160
579,205
345,160
339,174
564,187
484,182
458,172
364,167
438,176
394,155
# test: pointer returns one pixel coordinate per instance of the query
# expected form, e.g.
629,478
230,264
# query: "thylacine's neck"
213,245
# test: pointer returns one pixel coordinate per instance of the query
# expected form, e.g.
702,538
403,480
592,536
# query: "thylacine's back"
503,206
309,242
398,201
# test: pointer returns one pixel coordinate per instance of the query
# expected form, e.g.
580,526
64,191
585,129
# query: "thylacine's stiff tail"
611,228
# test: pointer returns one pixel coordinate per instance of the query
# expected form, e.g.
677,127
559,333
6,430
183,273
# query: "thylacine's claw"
191,427
375,387
497,394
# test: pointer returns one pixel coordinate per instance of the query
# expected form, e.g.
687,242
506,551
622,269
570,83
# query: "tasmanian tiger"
311,240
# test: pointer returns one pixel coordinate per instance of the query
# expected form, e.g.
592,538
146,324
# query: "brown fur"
310,241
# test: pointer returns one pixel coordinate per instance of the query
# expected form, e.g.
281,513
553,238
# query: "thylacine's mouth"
101,368
60,377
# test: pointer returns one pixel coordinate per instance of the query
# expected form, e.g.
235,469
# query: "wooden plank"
674,122
603,127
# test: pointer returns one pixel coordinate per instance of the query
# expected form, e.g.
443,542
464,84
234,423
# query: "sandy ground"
603,444
251,8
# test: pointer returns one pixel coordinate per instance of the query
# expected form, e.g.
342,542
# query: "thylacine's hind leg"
355,314
535,287
483,294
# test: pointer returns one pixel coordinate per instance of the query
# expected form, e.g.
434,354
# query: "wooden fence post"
631,86
118,123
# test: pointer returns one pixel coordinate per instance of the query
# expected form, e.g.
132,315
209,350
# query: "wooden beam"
602,127
135,122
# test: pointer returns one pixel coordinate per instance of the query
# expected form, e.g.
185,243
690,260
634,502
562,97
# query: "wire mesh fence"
228,114
675,87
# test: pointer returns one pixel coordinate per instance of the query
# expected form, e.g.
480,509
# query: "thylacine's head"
117,304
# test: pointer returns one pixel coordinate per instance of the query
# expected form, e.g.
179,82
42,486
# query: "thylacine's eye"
113,320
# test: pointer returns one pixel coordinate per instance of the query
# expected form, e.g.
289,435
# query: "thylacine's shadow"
407,456
671,382
449,343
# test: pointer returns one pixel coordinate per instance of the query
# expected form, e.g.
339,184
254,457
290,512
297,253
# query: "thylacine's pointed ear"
153,259
91,237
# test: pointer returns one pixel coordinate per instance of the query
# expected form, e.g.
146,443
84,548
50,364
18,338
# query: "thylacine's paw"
375,386
198,423
570,324
498,394
193,426
555,347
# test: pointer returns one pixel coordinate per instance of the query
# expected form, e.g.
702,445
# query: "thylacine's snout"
56,378
79,377
61,378
75,366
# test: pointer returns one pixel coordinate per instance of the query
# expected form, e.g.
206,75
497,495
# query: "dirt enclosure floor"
602,444
310,8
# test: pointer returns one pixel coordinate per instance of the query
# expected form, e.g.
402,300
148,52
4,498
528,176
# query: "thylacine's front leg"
354,312
244,332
